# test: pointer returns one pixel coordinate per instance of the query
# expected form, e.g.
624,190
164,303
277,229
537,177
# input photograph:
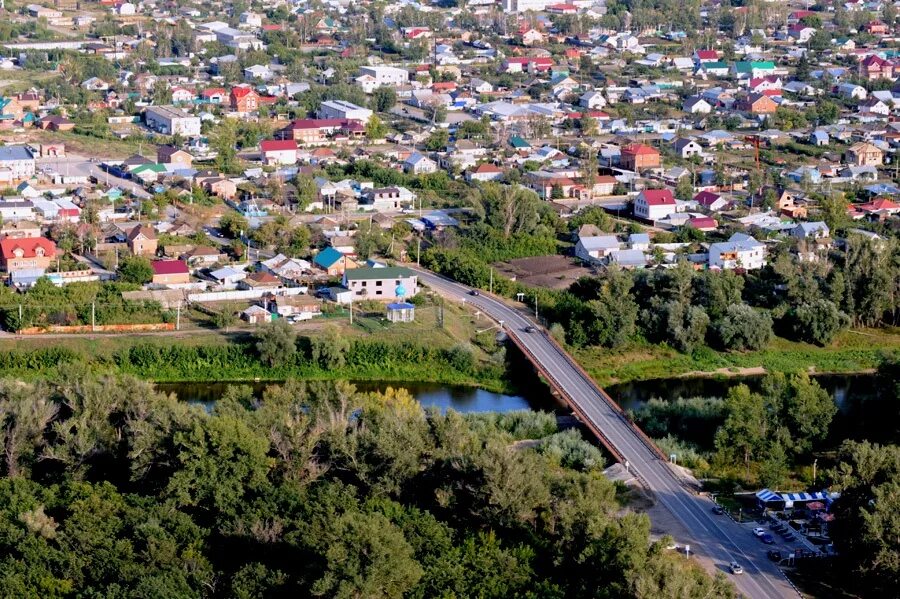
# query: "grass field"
857,350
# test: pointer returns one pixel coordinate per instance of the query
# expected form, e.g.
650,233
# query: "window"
378,292
378,283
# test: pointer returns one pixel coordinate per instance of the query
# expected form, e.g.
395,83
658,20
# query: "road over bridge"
716,538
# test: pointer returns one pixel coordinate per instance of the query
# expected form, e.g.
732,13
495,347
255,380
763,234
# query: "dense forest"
111,489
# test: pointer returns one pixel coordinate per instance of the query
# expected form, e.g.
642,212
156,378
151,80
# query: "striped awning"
766,496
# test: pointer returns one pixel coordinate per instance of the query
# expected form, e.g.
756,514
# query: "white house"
278,151
419,164
371,78
696,105
740,251
592,100
596,247
339,109
654,204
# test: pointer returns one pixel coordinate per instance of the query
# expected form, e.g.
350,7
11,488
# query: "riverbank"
854,351
445,344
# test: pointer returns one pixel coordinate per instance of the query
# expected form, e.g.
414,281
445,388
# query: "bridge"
716,538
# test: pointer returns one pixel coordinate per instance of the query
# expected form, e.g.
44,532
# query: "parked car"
789,537
774,555
735,568
718,510
767,539
759,531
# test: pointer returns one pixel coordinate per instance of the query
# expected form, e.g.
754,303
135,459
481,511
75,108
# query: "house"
702,223
333,262
637,157
757,104
295,307
244,98
819,138
202,256
864,154
877,28
485,172
386,199
171,155
26,253
851,91
258,281
16,163
291,270
142,241
256,315
627,259
740,251
595,247
278,151
169,120
687,148
390,283
711,201
419,164
592,100
372,77
401,312
706,56
811,230
170,272
874,67
696,105
339,109
654,204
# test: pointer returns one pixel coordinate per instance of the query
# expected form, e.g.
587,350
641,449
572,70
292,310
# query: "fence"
248,294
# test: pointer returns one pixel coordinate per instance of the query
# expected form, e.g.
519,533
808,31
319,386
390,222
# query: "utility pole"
93,316
535,307
351,308
491,288
178,317
418,250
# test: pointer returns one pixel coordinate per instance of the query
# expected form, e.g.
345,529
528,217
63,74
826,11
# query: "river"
862,415
443,397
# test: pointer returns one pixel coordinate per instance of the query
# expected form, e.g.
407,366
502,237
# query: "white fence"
249,294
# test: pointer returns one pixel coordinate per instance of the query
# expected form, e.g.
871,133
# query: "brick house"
244,99
636,157
864,154
28,253
142,241
874,67
170,272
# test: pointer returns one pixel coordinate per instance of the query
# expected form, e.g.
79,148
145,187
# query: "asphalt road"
716,538
73,165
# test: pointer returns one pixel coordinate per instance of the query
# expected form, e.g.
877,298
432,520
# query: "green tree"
817,322
234,224
135,269
437,141
743,328
383,98
745,432
276,342
375,129
368,557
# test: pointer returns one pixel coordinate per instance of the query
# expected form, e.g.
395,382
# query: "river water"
443,397
862,414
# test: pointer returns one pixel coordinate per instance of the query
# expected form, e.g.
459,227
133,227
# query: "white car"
759,531
735,568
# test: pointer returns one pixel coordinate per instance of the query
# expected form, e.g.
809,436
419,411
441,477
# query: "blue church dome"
400,291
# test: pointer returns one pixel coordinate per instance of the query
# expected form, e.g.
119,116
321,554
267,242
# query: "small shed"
401,312
256,314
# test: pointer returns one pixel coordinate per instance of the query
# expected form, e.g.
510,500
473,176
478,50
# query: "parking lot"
777,539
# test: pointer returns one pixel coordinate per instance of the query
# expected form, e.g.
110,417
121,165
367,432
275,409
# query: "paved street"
73,165
716,538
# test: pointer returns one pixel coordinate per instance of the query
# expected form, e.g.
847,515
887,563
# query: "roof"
400,306
148,232
276,145
638,149
28,245
328,257
15,153
241,91
658,197
390,272
169,267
